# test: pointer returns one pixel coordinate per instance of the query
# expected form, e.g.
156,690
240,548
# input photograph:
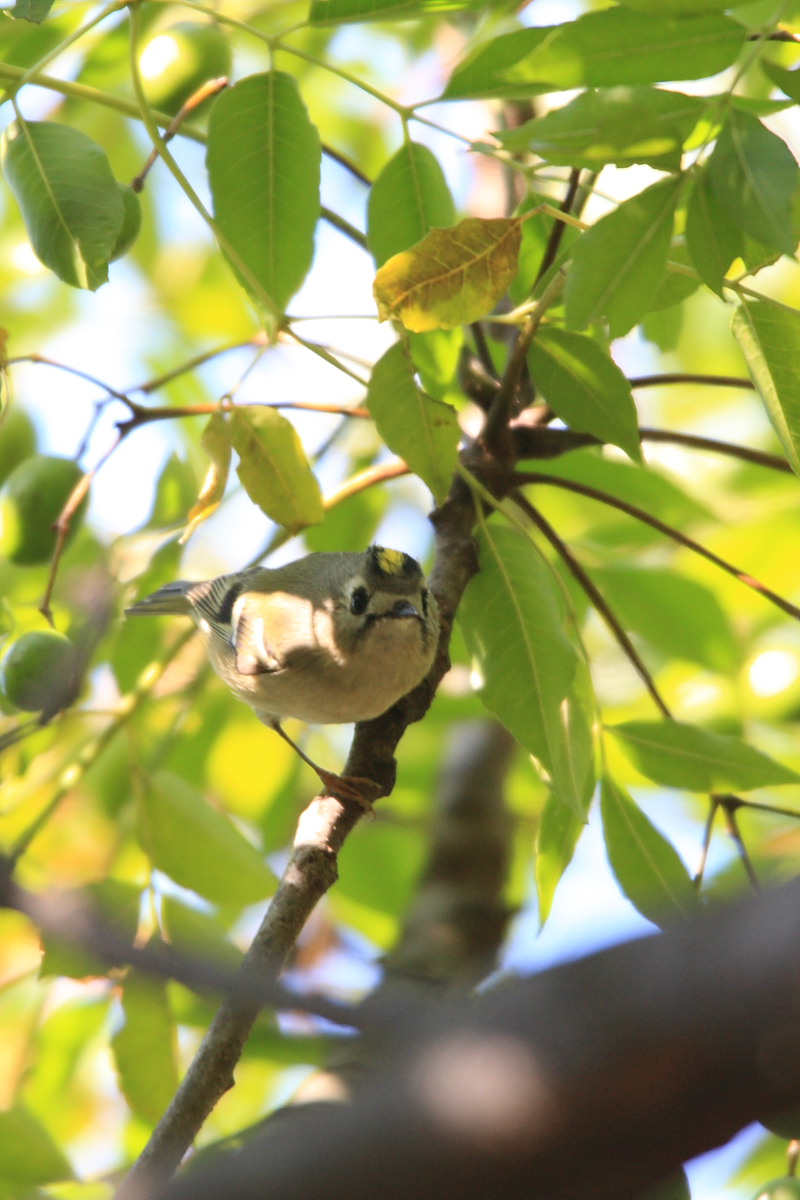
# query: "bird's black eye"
359,601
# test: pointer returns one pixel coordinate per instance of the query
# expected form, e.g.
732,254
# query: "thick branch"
596,1078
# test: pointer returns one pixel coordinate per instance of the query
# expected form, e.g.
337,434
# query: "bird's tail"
171,598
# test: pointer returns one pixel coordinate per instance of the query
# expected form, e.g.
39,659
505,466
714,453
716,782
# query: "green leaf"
585,387
787,81
600,49
409,197
423,431
28,1155
646,865
618,264
31,10
620,125
676,8
674,754
676,614
70,201
145,1048
329,12
199,847
264,168
198,933
559,830
512,617
452,277
769,338
752,175
712,238
274,469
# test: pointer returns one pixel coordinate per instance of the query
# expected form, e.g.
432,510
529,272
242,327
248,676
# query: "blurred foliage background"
153,789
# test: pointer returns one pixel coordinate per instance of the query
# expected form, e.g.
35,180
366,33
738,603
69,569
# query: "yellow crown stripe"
391,562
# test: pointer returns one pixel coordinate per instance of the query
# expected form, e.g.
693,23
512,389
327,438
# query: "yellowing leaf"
216,441
451,277
274,468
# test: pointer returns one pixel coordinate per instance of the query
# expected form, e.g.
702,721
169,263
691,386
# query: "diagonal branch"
639,514
597,599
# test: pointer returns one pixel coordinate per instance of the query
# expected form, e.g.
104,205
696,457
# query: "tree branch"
596,1078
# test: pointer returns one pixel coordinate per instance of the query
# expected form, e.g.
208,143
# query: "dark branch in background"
67,917
570,485
597,1078
559,228
455,927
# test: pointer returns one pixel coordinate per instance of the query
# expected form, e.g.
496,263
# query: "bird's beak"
404,608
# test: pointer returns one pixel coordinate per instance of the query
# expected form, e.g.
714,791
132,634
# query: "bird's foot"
360,790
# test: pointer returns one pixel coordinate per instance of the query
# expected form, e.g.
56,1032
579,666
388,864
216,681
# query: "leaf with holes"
274,469
452,277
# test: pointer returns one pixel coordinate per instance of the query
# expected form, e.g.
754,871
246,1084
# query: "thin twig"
706,846
581,489
729,381
732,826
597,599
760,457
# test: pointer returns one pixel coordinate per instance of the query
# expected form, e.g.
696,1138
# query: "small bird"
330,638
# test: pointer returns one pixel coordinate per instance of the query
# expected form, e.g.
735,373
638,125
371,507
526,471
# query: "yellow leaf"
452,276
216,440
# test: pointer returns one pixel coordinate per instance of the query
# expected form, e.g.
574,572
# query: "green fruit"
131,222
39,672
785,1188
176,61
17,440
34,495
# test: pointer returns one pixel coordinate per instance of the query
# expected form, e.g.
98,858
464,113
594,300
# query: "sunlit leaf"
453,276
409,197
274,469
769,337
646,865
585,387
28,1155
656,603
620,125
713,239
599,49
512,617
328,12
32,10
421,430
69,198
145,1048
199,847
264,167
216,441
618,263
559,830
675,754
753,175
